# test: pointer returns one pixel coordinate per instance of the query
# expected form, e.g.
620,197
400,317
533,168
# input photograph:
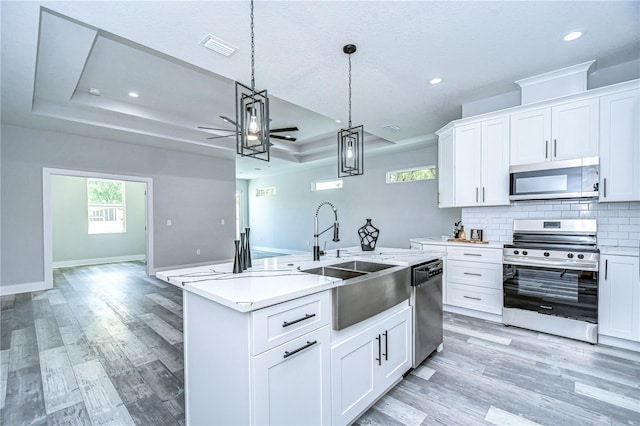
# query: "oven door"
566,293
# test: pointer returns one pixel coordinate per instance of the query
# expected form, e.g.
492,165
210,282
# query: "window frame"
92,206
412,169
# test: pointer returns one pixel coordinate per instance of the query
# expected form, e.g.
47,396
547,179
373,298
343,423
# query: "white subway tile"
607,228
619,220
634,220
582,207
618,235
607,242
629,243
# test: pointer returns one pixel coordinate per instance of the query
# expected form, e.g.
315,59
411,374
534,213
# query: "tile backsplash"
618,223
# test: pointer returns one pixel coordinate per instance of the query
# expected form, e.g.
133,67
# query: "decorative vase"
368,236
237,268
247,249
243,254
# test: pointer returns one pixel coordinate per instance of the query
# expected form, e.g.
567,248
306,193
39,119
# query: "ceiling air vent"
391,127
218,45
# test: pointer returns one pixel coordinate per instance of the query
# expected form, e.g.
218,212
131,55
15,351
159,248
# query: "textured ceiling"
52,52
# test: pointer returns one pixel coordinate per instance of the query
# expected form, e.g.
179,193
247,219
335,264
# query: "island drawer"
277,324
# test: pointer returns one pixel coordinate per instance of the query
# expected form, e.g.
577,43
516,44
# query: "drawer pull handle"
472,254
472,298
287,354
546,307
306,317
471,273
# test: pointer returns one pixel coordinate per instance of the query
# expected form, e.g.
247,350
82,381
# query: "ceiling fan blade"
284,129
284,138
218,137
228,120
216,128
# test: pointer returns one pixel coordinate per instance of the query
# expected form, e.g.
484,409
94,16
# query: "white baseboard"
473,313
6,290
97,261
618,343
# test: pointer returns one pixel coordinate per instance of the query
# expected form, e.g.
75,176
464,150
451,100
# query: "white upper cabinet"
620,146
562,132
481,163
445,169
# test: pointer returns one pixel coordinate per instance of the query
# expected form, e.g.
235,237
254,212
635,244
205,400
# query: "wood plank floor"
104,346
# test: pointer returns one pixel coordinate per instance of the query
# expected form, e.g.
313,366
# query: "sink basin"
357,265
328,271
367,289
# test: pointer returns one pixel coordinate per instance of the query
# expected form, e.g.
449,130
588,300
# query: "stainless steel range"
550,279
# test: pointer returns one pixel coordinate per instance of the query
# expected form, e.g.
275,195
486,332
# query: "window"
327,184
411,175
266,192
105,199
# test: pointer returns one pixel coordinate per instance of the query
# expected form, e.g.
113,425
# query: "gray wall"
401,211
71,239
194,191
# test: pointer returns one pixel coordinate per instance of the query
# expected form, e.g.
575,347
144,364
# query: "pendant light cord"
253,80
349,90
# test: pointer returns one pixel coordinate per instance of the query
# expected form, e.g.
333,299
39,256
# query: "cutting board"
456,240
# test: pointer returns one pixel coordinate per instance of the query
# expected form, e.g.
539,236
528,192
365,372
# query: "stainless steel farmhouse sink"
367,289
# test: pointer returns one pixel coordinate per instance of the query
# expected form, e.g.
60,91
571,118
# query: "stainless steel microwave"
555,179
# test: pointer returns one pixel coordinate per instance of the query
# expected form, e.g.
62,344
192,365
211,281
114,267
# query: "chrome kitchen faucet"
316,234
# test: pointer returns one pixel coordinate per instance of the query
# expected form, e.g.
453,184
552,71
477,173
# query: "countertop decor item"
368,236
247,248
350,140
243,254
237,267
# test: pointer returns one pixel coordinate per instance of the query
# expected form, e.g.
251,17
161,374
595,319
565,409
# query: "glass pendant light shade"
350,151
252,112
350,140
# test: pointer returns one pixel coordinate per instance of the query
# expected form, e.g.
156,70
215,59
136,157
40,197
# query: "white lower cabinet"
619,297
367,364
291,382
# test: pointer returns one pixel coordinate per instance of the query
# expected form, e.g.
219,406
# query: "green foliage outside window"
104,191
411,175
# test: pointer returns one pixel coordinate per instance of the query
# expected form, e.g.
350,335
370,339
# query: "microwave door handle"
605,187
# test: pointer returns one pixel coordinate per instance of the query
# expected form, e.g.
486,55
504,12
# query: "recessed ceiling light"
218,45
95,92
435,80
573,35
133,94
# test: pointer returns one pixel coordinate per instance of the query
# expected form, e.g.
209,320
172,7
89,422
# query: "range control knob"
524,252
546,254
516,252
570,255
581,256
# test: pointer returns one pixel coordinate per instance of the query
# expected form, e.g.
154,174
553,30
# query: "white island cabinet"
258,346
254,368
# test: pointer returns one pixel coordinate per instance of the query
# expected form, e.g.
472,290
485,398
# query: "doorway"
54,179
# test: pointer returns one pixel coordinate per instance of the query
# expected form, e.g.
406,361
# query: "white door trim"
48,221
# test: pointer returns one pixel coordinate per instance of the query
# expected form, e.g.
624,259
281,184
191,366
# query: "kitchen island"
261,348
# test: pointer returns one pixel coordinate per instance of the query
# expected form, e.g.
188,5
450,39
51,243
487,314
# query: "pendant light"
252,115
350,140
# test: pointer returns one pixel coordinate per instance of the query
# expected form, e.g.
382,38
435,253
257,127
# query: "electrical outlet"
197,252
168,222
221,221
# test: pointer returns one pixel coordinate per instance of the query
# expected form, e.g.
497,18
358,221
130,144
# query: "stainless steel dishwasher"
426,299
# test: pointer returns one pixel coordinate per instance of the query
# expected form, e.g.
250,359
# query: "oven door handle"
573,265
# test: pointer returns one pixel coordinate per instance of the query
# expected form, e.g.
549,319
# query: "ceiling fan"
271,131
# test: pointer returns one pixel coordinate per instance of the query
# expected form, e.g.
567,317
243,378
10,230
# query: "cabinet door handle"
549,308
476,194
438,198
386,345
379,359
555,148
472,298
306,317
606,268
287,354
474,274
546,149
605,187
471,254
483,194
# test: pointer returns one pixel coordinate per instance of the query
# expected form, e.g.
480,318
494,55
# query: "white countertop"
620,251
278,279
442,241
